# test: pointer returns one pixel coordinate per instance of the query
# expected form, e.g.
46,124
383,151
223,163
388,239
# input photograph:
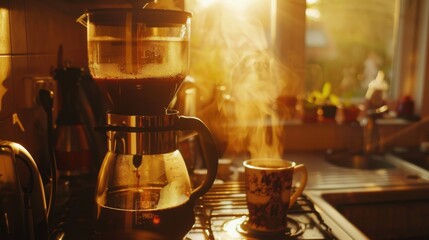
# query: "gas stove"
221,212
219,215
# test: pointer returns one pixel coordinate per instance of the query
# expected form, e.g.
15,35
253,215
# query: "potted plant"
309,111
327,102
350,112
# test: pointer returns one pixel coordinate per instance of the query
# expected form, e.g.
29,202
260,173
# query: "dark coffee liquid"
140,223
148,96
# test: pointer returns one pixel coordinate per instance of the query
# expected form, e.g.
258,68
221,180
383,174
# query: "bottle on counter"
405,108
72,145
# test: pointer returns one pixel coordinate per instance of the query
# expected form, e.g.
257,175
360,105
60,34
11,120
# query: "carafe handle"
209,151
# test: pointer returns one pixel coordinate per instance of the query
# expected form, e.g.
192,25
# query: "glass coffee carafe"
139,58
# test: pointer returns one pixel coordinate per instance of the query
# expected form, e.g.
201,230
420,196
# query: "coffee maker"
139,57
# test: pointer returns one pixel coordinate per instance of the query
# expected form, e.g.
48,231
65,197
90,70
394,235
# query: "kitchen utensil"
23,211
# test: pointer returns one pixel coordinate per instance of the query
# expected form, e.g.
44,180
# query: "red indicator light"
156,220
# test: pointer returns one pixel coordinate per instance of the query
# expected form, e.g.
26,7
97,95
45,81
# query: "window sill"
321,136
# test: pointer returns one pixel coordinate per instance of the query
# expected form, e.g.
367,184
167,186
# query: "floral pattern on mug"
268,209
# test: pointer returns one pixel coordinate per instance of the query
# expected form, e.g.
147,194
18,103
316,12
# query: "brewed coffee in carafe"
139,58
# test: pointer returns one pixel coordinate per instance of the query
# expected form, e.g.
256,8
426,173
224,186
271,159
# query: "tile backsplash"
31,32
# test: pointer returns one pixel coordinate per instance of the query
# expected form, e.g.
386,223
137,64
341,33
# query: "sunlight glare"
206,3
238,5
310,2
312,13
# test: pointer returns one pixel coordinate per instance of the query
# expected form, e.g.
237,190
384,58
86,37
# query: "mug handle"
303,181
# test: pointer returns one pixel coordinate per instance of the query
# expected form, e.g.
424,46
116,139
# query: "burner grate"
220,212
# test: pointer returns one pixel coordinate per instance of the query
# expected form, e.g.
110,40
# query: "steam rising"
255,125
230,55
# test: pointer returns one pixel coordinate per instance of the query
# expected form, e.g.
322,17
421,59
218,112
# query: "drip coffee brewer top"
138,57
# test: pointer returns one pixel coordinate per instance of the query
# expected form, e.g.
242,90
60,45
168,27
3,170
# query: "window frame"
411,61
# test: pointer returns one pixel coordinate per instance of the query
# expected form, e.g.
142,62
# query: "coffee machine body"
139,58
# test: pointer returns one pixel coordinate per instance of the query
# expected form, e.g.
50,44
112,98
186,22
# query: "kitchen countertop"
325,177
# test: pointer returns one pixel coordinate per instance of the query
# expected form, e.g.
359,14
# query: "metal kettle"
23,209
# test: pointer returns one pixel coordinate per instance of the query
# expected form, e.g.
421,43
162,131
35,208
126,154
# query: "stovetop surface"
219,215
221,212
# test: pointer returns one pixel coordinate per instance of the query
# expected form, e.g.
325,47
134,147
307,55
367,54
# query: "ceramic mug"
269,193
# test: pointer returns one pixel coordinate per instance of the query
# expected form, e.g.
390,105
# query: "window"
248,54
348,42
345,42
